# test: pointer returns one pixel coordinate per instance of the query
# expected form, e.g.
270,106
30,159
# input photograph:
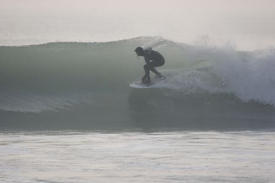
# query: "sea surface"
68,114
76,86
185,156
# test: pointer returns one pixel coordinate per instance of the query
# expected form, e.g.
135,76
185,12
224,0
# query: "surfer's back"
153,55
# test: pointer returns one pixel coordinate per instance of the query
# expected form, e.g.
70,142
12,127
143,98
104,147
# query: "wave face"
86,86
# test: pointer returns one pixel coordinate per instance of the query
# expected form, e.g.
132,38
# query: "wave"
92,80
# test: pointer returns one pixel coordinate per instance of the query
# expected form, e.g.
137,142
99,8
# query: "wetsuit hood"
139,51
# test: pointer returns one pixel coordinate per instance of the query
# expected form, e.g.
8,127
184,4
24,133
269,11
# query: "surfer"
153,59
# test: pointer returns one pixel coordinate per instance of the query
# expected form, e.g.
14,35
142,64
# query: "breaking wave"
52,82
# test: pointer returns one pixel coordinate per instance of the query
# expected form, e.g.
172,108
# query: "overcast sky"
247,23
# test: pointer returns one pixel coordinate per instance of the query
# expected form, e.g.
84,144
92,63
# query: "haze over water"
245,24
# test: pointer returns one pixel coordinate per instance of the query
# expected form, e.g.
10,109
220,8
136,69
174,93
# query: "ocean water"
200,157
76,86
67,114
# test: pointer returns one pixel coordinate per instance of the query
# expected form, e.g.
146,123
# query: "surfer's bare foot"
146,81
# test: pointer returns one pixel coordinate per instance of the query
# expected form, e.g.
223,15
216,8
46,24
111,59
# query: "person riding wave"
153,59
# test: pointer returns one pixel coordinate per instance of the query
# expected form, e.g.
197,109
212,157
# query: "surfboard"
139,84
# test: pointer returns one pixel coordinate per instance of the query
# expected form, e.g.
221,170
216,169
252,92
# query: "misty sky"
248,24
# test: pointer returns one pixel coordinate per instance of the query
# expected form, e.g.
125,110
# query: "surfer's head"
139,51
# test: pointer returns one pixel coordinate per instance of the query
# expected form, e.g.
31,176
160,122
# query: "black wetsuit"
153,59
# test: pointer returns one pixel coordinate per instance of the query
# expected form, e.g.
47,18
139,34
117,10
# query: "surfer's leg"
152,68
155,71
146,77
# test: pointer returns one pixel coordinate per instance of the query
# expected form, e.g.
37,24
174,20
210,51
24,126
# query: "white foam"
248,75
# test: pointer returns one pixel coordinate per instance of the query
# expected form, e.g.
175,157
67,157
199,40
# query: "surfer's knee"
146,67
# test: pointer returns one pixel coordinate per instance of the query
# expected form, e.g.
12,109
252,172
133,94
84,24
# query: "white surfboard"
139,84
